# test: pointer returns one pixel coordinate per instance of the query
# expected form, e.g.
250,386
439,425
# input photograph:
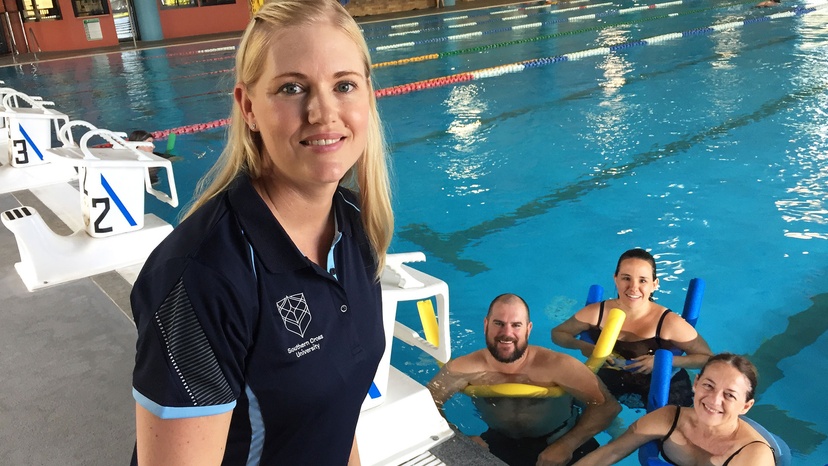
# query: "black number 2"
105,202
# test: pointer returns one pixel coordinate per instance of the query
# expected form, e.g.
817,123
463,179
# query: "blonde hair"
243,154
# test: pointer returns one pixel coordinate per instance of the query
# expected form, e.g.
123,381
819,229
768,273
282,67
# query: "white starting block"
28,135
116,231
399,419
4,128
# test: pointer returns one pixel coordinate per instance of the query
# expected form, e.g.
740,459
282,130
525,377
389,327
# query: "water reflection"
804,203
468,160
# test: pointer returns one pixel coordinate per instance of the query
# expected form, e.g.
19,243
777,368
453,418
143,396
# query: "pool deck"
67,351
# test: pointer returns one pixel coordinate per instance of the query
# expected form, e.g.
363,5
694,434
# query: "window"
39,10
178,3
166,4
90,8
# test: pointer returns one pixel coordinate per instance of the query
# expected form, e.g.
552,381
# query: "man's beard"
514,356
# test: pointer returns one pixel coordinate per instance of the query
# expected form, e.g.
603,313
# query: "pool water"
709,150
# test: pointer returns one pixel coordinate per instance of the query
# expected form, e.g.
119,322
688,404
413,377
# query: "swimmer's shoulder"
545,357
468,363
676,328
589,313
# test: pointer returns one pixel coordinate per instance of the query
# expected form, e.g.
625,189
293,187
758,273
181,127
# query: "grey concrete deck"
66,356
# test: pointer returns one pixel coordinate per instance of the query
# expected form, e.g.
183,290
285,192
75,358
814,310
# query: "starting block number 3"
19,152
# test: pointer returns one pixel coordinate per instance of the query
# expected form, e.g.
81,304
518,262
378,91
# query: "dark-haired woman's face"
634,281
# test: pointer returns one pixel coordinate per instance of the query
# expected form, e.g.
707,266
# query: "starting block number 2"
115,201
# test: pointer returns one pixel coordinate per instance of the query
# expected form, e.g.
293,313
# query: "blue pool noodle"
595,294
658,396
692,304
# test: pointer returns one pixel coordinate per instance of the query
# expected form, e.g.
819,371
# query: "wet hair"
508,298
244,150
741,364
139,135
636,253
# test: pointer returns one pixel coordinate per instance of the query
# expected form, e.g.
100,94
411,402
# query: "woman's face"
147,148
311,106
634,281
721,394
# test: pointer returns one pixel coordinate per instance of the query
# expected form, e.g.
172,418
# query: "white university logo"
295,313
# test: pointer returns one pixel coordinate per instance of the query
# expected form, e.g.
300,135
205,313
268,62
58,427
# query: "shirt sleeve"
192,341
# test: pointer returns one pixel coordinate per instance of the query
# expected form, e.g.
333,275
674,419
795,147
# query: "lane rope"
382,48
433,56
527,64
437,18
539,62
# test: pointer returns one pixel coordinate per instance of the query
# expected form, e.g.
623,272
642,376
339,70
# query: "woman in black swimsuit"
709,433
647,327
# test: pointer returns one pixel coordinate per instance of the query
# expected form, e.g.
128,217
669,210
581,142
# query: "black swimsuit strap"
743,447
660,324
669,433
600,314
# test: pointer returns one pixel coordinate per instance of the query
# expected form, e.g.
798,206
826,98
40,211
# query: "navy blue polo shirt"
232,316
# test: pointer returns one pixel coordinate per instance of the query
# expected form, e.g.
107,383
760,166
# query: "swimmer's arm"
565,335
683,335
445,384
650,427
188,441
601,407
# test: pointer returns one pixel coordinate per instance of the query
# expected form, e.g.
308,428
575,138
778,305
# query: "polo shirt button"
343,308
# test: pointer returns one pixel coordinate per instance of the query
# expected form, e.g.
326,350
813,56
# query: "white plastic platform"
113,232
399,419
17,179
49,259
112,179
403,427
26,136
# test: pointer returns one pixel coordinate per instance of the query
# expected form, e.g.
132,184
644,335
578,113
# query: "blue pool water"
710,150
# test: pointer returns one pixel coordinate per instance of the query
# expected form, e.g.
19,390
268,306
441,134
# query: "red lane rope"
196,128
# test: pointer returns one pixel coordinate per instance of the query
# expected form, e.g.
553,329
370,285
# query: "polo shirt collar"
265,233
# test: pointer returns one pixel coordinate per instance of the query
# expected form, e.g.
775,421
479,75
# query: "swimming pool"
710,149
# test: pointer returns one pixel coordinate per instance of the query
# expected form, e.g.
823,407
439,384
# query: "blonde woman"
259,317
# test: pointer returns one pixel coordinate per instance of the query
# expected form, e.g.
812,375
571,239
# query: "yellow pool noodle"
602,350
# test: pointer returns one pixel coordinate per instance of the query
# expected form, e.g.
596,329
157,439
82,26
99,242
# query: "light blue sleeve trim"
257,429
166,412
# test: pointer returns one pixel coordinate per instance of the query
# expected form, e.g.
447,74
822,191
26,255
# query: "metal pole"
11,32
23,28
130,12
34,36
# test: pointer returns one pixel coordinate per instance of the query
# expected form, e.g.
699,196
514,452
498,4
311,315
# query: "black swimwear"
673,428
525,451
632,389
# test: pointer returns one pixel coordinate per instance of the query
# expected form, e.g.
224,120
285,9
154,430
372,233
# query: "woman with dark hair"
647,327
145,136
710,432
